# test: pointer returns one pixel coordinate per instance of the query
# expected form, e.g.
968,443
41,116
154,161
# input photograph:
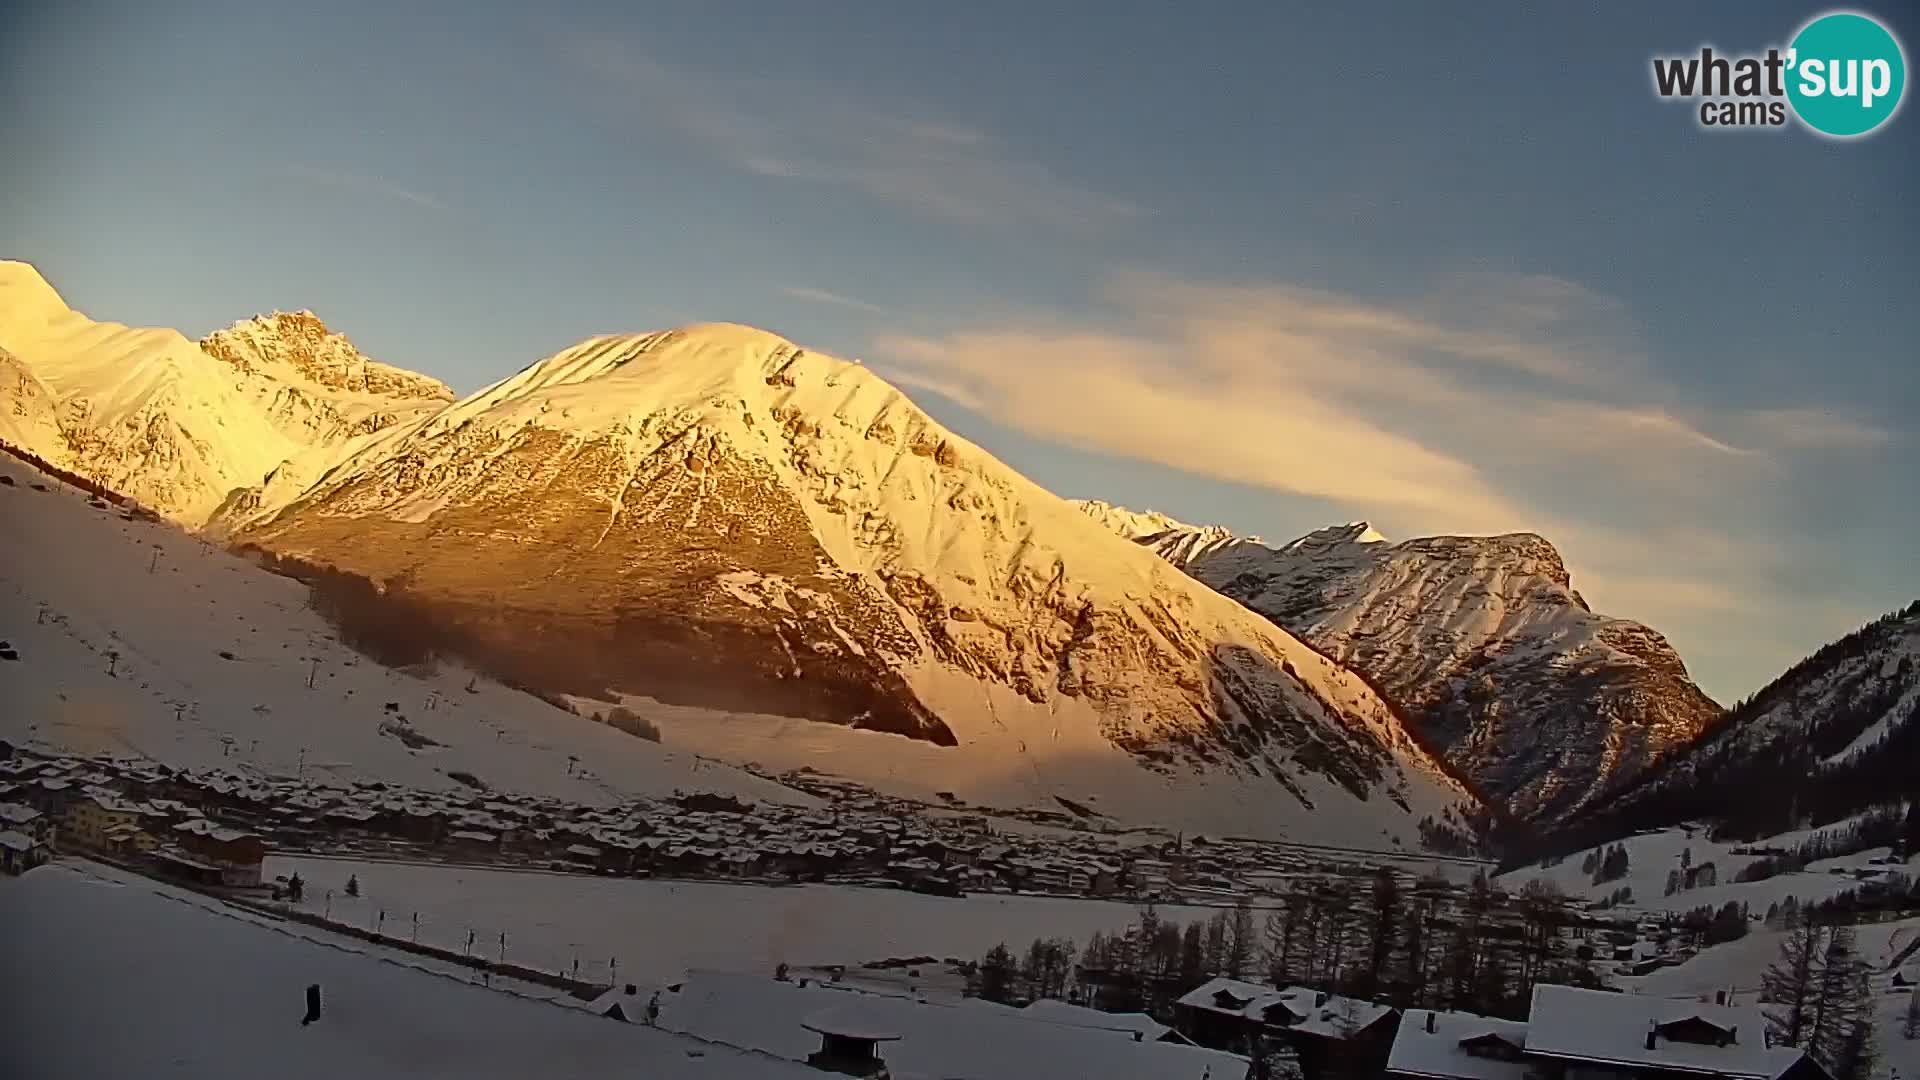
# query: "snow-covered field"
129,978
1652,856
210,657
659,930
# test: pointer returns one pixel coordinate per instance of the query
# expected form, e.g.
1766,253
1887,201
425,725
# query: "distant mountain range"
715,517
1496,660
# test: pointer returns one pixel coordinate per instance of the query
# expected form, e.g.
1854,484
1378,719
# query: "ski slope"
138,639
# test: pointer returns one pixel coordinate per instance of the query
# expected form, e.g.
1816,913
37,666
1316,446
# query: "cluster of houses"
1570,1034
48,805
208,825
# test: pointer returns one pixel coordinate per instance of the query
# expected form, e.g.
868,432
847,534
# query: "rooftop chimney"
1433,1022
1653,1032
1320,998
1719,997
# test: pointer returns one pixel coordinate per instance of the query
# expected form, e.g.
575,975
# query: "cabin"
1576,1034
1433,1045
237,853
1329,1033
21,852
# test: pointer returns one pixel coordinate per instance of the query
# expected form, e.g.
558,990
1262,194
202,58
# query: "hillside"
1836,734
714,516
134,637
1542,703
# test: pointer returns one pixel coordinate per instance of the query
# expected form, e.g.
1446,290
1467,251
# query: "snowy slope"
1654,855
131,978
179,425
210,658
145,412
715,516
1837,733
1546,705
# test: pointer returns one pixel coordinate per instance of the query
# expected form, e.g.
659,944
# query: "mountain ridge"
713,513
1482,641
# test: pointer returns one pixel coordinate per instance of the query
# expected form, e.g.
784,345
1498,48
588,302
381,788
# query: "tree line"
1431,945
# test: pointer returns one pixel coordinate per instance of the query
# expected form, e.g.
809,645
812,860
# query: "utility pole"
156,559
312,672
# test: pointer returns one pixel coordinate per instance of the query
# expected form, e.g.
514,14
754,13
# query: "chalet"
1434,1045
1575,1034
87,821
19,817
236,853
21,852
1322,1028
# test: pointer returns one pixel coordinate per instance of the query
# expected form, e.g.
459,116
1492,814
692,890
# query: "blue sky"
1445,270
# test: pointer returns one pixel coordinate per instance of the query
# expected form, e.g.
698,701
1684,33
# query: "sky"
1444,268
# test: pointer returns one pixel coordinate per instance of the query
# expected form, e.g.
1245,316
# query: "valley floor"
658,931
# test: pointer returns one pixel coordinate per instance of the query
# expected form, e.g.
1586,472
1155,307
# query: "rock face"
1837,734
1545,705
312,384
715,517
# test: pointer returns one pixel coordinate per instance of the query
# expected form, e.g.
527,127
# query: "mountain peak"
298,342
1353,532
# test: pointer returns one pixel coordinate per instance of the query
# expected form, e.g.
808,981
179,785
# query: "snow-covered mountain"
1544,704
713,515
1836,734
313,385
173,424
714,518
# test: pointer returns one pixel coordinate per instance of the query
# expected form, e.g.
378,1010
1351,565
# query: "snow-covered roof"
1457,1046
936,1039
16,841
1055,1011
1296,1008
1613,1028
16,814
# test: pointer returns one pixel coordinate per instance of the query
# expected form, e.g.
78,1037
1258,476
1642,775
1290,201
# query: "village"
216,826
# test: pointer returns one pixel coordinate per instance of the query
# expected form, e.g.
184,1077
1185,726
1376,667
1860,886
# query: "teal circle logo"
1845,74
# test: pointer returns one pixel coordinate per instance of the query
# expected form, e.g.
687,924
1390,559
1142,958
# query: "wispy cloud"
1485,404
784,127
834,299
365,185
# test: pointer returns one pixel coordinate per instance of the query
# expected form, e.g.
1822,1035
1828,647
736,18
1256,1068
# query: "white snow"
1438,1053
131,979
659,930
79,583
1604,1027
931,1038
1653,855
